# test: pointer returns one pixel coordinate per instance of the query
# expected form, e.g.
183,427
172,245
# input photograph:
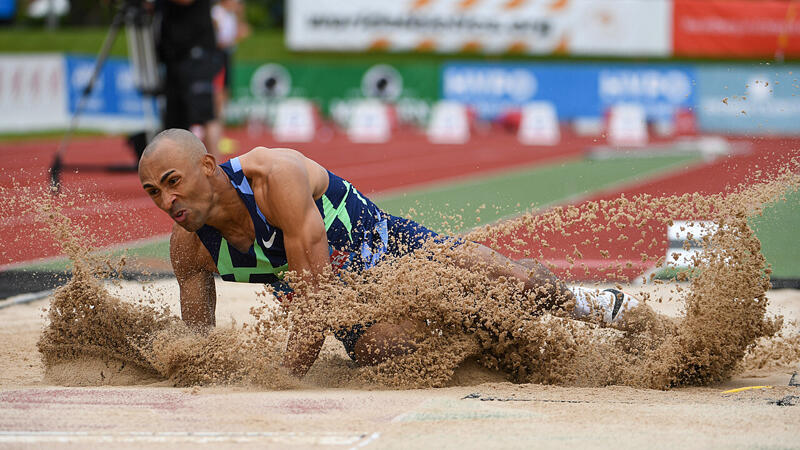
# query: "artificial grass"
268,45
459,206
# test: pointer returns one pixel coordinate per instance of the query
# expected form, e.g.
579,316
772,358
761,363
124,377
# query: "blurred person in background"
187,46
231,28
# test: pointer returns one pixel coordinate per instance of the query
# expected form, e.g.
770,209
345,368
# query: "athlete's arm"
289,203
190,262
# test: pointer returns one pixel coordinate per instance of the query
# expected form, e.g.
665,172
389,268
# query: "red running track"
116,210
766,158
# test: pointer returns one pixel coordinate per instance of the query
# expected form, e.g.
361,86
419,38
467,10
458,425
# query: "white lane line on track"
400,417
370,439
200,437
25,298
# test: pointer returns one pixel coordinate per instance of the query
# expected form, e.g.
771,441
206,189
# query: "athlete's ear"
209,164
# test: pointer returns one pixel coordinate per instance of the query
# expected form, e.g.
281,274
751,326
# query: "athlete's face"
179,185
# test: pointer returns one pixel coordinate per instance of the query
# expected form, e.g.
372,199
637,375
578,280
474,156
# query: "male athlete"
272,210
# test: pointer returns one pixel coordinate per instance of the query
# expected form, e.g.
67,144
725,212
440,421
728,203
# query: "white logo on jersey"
268,244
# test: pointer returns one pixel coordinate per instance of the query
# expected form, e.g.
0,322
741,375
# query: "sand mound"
469,319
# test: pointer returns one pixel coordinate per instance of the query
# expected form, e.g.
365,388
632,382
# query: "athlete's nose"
168,199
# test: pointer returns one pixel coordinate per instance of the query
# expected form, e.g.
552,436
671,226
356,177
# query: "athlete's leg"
551,293
374,343
608,304
406,236
549,290
383,341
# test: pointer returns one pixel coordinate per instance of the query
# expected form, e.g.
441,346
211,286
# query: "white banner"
32,92
577,27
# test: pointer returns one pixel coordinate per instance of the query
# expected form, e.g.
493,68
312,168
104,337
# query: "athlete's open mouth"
180,216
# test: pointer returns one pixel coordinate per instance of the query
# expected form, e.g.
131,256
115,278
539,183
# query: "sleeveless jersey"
356,229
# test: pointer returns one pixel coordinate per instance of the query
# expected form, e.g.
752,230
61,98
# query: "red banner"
733,28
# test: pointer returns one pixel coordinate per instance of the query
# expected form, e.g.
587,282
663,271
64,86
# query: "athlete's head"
176,172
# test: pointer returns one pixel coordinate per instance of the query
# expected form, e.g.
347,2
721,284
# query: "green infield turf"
269,44
156,249
458,206
10,138
776,229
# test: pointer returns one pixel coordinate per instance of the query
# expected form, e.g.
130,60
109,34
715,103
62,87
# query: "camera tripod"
141,52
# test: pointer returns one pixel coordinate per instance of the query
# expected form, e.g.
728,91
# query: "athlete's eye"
173,181
152,192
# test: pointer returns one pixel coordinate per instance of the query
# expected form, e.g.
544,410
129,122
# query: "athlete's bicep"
192,268
293,210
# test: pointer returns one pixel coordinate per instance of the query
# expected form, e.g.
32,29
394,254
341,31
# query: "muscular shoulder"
265,162
282,167
187,253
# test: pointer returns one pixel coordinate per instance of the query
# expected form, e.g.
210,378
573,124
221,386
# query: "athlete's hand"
301,351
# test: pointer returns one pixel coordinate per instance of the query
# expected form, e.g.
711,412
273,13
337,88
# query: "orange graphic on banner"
471,47
558,5
380,44
513,4
419,4
467,4
426,45
518,47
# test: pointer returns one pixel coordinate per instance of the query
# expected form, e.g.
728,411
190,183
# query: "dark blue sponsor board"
114,95
576,90
749,99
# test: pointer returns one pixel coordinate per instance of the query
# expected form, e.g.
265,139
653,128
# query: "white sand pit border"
331,439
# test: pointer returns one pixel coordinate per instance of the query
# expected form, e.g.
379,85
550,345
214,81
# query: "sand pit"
491,368
127,407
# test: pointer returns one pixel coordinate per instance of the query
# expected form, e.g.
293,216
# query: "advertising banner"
32,93
257,88
114,104
660,89
576,27
736,28
749,99
576,90
493,89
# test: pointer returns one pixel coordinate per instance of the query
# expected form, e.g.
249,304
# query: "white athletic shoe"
611,303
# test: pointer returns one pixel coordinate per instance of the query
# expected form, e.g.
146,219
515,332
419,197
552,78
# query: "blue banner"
576,90
749,99
661,90
8,9
114,96
493,89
